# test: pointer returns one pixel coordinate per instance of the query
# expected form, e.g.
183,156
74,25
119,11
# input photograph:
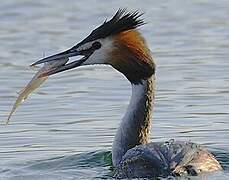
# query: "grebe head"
117,43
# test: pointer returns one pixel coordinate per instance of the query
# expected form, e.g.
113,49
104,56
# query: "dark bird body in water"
118,43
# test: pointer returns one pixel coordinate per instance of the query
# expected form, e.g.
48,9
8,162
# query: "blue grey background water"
65,129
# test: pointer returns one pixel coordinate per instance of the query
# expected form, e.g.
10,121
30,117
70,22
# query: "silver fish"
35,82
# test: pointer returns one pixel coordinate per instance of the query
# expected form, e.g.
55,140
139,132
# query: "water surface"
66,128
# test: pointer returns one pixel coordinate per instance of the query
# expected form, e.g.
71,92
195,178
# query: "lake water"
66,128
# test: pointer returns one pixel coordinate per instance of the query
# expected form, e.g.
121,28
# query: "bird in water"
118,43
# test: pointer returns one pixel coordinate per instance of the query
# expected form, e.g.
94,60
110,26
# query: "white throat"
135,126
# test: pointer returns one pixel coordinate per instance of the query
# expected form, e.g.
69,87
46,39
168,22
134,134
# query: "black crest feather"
121,21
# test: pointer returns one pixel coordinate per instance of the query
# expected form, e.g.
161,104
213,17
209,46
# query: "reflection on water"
65,129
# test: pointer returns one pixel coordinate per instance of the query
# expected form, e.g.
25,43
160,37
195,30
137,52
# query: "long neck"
135,126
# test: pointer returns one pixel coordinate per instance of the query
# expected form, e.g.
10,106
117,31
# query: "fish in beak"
36,82
63,55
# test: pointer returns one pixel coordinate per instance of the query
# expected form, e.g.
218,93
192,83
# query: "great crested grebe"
118,43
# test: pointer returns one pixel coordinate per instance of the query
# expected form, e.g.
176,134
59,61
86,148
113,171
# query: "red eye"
96,45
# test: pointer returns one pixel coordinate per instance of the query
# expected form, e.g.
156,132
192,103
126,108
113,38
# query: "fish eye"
96,45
